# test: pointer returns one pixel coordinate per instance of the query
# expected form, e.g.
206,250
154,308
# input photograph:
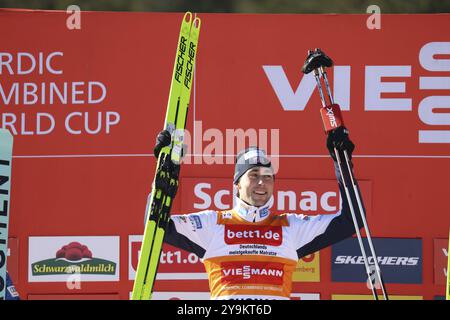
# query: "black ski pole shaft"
345,179
366,226
327,85
319,86
358,198
317,61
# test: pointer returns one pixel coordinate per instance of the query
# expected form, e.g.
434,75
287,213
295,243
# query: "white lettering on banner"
60,93
309,203
434,136
39,122
291,198
29,93
309,200
289,99
44,123
170,262
218,197
428,104
341,85
76,92
324,201
297,100
26,63
431,49
169,257
110,119
375,87
427,115
198,191
434,83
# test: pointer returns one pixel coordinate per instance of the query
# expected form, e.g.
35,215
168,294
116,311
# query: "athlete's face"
256,186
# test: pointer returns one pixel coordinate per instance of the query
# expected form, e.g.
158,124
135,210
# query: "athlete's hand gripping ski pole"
332,119
165,183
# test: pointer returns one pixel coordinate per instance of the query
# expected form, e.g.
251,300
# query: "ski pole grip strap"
331,117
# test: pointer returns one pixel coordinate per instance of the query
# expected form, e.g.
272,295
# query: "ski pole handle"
331,117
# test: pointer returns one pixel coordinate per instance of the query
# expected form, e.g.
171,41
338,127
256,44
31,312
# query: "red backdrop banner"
85,105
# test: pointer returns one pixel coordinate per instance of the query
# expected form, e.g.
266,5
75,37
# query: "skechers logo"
240,234
388,261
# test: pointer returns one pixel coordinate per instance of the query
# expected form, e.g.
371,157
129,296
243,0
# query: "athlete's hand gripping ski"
341,148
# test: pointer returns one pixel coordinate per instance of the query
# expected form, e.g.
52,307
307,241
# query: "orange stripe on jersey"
250,275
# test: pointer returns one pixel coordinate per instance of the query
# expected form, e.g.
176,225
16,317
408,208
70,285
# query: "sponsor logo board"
308,269
55,259
440,261
175,263
400,260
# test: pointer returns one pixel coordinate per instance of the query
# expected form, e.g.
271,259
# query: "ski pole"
355,223
366,226
358,197
317,61
344,174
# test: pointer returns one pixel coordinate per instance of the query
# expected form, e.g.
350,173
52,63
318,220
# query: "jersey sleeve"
11,293
191,232
313,233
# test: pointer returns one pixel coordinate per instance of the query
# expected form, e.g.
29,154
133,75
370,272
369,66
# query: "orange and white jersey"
251,253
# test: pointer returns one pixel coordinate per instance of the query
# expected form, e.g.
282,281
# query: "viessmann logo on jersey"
244,234
252,272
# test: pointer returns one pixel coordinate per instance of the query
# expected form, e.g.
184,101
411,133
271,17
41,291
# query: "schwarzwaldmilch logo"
73,258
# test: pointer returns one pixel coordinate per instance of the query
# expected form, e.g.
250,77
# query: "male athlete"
250,252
